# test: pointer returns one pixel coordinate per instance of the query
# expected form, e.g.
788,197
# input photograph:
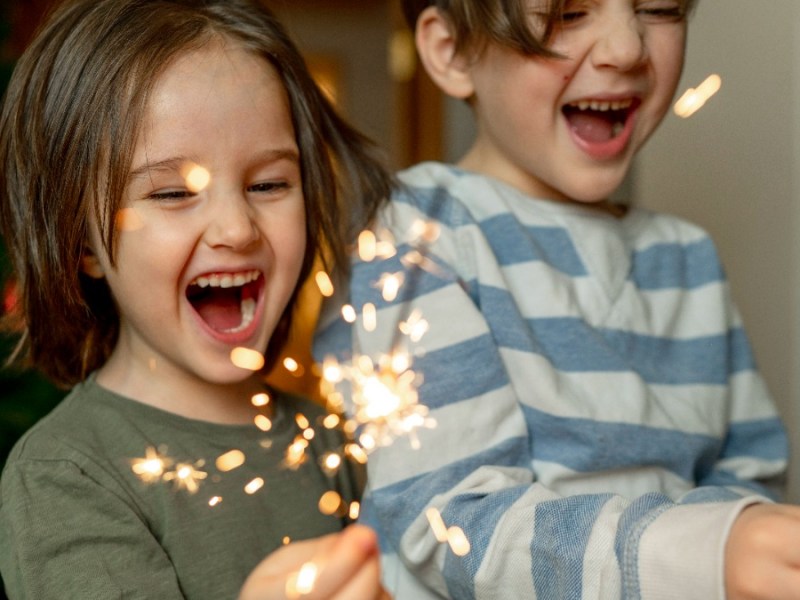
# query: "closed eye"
267,187
170,195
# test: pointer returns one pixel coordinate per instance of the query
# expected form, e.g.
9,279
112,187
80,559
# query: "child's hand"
762,556
348,568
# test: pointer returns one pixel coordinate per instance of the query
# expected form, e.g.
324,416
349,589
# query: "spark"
260,399
355,509
331,462
231,460
302,582
254,485
384,399
296,453
215,500
367,246
331,421
150,468
453,535
390,284
370,317
329,503
245,358
349,313
197,178
324,283
693,99
263,423
186,476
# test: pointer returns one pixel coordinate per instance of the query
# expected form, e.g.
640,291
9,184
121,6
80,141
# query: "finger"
355,548
365,584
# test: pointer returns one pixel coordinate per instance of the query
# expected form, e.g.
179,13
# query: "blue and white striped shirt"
600,421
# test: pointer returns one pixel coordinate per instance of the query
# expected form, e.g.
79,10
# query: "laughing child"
602,429
168,171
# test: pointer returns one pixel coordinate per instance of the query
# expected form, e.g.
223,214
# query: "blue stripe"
436,204
460,371
561,532
572,345
514,243
689,266
763,438
477,514
392,509
590,446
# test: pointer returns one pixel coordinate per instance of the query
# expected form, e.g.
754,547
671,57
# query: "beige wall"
734,168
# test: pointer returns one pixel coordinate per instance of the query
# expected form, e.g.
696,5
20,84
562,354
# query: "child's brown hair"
67,132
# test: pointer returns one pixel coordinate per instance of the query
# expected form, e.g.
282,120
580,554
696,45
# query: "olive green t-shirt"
77,522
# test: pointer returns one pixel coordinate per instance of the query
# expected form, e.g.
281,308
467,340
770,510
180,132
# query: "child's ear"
90,264
436,47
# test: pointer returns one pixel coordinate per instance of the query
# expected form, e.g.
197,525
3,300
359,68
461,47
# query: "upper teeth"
602,105
226,280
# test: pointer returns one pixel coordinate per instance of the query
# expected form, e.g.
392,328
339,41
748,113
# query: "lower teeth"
248,308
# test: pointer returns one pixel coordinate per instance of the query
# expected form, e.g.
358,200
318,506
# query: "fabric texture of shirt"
77,522
600,421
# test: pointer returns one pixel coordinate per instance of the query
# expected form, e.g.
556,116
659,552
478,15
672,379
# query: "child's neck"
228,404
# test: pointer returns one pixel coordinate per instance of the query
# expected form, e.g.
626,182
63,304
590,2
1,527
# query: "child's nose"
231,223
621,44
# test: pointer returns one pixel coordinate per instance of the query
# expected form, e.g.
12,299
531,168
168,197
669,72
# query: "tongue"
221,309
592,126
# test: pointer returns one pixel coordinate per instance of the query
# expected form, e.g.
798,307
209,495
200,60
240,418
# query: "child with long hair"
168,172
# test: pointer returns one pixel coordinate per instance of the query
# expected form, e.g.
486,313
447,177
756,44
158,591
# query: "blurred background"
733,166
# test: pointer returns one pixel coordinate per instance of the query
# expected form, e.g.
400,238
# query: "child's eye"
170,195
572,16
662,12
266,187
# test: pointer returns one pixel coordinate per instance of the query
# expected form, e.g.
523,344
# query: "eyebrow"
175,163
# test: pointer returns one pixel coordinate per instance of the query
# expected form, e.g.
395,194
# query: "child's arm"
346,566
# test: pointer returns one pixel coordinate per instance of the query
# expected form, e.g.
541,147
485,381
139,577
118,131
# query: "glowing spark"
355,510
384,399
128,219
260,399
197,178
458,541
287,540
370,316
186,476
356,452
324,283
438,527
230,460
330,503
151,467
390,285
296,453
214,501
290,364
425,232
302,421
331,461
308,434
415,327
349,313
245,358
693,99
254,485
331,421
263,423
367,246
302,582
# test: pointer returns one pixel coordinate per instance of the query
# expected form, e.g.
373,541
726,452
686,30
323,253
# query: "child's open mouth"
597,122
226,302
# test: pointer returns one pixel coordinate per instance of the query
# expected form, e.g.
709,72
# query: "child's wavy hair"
477,23
67,131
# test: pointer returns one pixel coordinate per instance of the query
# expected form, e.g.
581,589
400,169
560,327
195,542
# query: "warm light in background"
693,99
